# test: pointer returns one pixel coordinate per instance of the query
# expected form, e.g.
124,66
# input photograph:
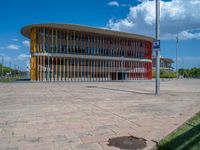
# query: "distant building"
63,52
165,64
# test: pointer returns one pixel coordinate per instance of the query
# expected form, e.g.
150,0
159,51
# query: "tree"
190,73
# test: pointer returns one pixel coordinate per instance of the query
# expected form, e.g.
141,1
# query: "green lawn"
185,138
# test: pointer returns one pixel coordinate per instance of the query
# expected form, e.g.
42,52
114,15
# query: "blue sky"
124,15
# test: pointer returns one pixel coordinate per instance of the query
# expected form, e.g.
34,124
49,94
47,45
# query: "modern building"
165,64
64,52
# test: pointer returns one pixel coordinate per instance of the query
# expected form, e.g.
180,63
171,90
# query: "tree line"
10,72
189,73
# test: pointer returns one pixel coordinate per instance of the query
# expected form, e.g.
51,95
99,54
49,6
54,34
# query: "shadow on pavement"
120,90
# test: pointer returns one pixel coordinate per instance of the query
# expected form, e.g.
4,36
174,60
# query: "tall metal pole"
2,67
14,71
10,65
48,69
158,51
177,57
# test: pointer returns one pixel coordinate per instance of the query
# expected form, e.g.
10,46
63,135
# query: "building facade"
63,52
165,64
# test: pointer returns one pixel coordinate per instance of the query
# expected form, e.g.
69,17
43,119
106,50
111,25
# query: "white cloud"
190,34
13,46
117,4
23,57
176,16
113,3
195,2
26,43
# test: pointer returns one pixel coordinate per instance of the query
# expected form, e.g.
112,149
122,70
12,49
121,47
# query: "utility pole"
158,50
177,40
18,72
48,69
10,65
15,71
2,67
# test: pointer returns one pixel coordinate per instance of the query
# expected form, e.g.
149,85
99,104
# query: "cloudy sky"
180,17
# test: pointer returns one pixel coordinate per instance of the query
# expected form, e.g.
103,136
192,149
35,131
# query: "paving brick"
72,116
91,146
93,139
106,147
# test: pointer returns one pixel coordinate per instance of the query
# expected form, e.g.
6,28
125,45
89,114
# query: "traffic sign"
156,44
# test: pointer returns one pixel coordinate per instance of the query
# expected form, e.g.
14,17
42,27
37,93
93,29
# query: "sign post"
157,43
177,57
2,67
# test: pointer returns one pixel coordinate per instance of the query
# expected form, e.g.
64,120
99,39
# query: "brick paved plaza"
84,115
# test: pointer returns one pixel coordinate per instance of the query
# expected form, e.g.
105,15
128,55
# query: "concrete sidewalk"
84,115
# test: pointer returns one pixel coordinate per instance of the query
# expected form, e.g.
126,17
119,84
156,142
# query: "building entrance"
122,76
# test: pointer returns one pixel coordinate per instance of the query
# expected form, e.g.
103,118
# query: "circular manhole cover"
127,142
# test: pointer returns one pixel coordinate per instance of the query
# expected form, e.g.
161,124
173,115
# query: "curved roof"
27,29
165,59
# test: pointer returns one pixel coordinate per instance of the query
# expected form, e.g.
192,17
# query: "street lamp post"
177,57
158,50
2,67
15,71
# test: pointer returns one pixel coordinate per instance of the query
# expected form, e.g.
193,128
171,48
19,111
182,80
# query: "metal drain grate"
127,142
